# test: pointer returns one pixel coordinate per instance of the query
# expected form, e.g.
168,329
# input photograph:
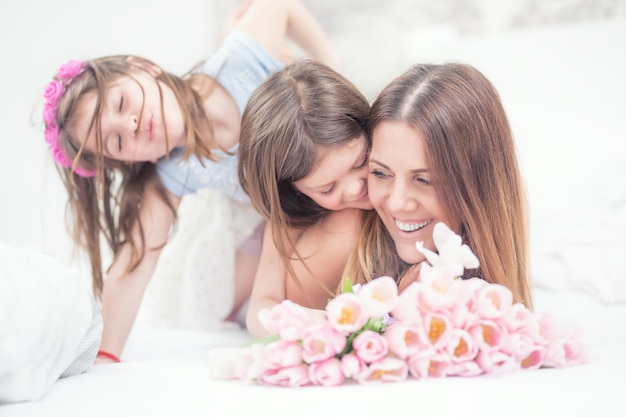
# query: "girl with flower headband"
443,151
130,140
305,170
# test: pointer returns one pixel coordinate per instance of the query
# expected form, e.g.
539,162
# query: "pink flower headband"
53,93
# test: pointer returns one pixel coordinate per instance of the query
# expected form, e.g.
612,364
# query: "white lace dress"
193,285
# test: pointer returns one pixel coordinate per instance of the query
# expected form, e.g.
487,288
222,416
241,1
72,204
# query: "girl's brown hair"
473,157
297,111
107,204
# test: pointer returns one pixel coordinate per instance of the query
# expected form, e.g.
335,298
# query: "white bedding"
164,373
50,325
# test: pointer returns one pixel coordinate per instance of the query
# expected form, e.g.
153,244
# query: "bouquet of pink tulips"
440,326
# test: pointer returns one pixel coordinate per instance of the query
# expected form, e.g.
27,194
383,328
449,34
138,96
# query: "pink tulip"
460,346
543,329
379,296
327,372
465,308
346,313
467,368
388,369
405,340
351,365
429,363
320,342
229,363
535,359
565,352
237,363
286,319
407,308
494,301
370,346
283,353
437,328
488,335
294,376
439,294
517,317
495,362
518,346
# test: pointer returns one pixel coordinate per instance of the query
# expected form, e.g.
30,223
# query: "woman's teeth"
405,227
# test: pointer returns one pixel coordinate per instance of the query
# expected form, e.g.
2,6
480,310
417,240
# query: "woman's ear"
144,65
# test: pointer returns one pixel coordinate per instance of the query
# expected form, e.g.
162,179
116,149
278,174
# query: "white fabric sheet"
50,325
164,373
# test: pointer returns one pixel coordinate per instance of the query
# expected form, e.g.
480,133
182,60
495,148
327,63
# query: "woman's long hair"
473,158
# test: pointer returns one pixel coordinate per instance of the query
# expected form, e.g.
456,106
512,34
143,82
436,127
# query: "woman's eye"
378,174
121,102
423,181
119,142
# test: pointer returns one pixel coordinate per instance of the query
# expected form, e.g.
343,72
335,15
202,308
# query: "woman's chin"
409,254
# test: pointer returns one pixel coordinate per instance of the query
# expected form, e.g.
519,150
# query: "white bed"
565,92
165,373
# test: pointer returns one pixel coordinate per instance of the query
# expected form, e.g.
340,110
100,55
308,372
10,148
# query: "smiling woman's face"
401,188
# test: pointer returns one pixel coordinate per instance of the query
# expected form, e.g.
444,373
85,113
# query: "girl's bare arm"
123,291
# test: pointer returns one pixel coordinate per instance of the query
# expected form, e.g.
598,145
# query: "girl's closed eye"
422,180
329,190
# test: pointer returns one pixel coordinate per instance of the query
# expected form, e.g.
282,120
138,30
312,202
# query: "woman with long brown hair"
443,151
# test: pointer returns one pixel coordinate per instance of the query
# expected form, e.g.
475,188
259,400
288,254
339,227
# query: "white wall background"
558,65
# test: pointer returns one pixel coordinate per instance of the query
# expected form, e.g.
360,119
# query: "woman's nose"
400,199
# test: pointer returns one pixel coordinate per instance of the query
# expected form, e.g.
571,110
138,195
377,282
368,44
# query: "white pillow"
50,325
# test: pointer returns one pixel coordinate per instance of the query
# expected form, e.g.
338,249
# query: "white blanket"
50,325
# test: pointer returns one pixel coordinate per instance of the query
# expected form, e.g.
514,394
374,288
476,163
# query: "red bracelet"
108,355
